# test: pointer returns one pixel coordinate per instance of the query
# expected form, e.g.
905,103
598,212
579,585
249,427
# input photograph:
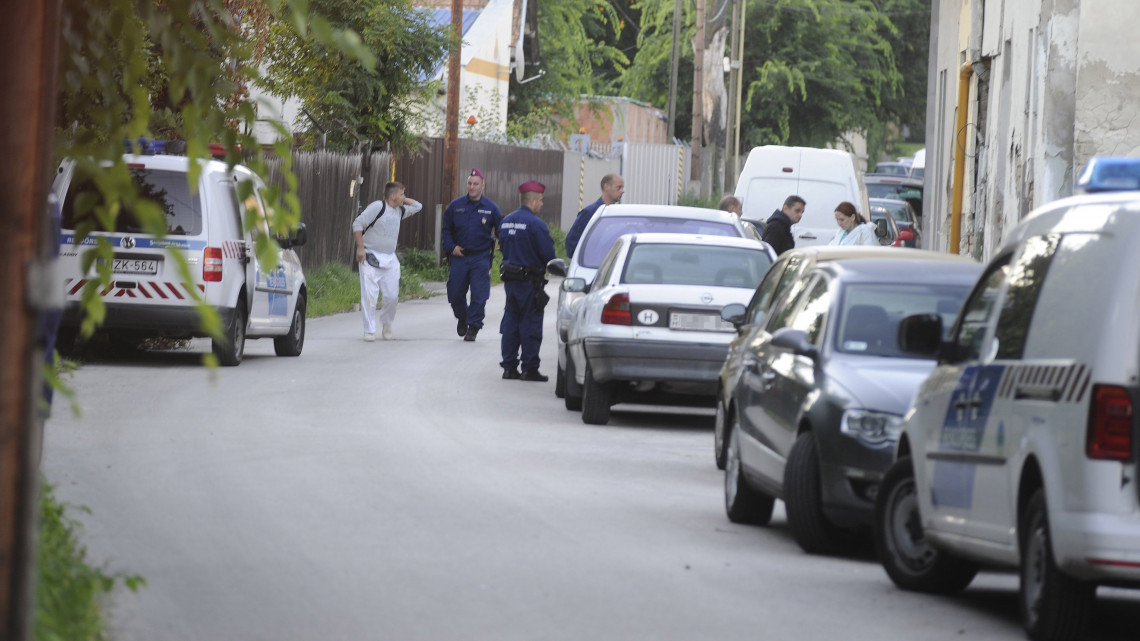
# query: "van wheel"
743,504
231,349
573,394
910,561
292,343
803,499
1053,606
595,400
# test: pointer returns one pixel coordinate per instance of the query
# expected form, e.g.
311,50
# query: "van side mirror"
921,335
296,239
556,267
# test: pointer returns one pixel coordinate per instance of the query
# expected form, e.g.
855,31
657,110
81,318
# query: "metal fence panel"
654,174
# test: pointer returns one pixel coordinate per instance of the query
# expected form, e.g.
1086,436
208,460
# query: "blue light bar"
1109,173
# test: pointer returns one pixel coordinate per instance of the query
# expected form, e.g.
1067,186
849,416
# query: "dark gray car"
822,389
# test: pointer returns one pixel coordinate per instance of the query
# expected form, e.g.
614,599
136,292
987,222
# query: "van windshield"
181,210
607,229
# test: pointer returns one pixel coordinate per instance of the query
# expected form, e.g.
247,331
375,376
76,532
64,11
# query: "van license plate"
699,322
134,266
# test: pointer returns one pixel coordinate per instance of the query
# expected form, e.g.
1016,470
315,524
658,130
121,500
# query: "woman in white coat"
853,229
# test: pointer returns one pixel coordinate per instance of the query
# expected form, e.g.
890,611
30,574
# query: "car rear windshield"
182,211
607,229
870,314
708,266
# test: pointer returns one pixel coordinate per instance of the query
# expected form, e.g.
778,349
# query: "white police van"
148,294
1020,450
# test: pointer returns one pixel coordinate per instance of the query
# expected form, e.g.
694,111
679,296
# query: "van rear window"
168,189
608,229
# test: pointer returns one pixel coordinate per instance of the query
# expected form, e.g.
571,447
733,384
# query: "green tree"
134,68
577,57
345,95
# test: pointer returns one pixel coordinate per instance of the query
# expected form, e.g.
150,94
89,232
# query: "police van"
149,294
1020,450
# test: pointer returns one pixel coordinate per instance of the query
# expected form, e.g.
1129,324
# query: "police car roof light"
1109,173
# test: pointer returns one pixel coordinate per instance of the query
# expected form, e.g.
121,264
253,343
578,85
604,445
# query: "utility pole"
698,90
451,137
732,128
676,59
28,52
739,87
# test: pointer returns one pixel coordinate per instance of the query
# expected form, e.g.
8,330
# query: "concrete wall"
1052,86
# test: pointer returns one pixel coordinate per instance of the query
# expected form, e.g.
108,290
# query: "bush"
69,592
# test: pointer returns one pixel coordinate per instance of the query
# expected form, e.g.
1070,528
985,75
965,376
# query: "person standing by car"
733,205
527,247
470,224
778,228
613,186
376,230
853,229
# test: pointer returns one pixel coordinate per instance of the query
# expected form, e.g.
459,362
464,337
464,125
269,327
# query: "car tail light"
212,265
1110,424
616,311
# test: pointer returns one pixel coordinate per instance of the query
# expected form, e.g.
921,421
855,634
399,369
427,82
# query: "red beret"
532,185
476,172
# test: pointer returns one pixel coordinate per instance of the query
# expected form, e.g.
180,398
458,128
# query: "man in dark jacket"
778,229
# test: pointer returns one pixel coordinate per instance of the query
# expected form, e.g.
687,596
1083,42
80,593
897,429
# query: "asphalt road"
402,490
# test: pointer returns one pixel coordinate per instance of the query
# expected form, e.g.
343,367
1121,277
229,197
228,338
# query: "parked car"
149,294
918,165
896,188
822,391
787,269
886,230
892,169
648,328
904,217
822,177
1020,450
608,224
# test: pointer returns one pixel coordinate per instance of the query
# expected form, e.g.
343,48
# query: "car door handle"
767,379
808,235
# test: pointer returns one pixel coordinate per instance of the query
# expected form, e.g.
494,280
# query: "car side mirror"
734,313
574,285
556,267
906,233
795,340
921,335
882,232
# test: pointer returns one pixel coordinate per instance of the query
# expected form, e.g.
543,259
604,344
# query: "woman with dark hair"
853,228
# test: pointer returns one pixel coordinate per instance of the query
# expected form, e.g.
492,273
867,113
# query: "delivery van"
822,177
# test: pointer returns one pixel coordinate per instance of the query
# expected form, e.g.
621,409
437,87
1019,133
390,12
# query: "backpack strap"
383,208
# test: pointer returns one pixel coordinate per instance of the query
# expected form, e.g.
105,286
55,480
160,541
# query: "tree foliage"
577,55
177,68
346,96
814,70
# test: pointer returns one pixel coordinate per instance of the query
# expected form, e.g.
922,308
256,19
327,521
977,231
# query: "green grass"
334,288
70,593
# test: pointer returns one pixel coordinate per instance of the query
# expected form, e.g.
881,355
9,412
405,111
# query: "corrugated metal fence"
323,180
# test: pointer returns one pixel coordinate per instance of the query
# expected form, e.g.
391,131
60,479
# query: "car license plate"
134,266
698,322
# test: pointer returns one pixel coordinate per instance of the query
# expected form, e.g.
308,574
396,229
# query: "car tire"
560,382
573,395
720,436
595,400
292,343
1053,606
911,562
231,348
803,499
742,503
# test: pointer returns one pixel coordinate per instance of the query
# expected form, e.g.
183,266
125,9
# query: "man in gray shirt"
376,230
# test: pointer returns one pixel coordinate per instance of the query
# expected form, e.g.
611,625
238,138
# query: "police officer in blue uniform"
470,224
527,247
613,186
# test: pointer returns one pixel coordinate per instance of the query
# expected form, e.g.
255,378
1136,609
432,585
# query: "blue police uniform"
526,242
469,224
579,226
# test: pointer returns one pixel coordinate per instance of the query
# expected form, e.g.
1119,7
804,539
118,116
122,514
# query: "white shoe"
368,338
387,332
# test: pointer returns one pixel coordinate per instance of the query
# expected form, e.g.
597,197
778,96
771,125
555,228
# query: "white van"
148,295
822,177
